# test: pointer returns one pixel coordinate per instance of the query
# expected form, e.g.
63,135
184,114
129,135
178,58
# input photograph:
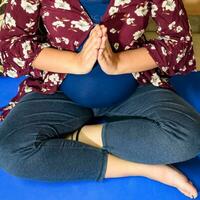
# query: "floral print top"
67,24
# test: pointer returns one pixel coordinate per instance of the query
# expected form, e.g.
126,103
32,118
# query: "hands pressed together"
97,47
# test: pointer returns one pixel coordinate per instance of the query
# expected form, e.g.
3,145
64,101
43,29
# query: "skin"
108,60
87,57
117,167
97,47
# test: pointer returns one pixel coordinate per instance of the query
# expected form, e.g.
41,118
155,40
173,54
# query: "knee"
15,150
193,138
186,139
16,160
10,159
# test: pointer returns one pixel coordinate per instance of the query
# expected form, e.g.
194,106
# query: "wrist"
118,63
78,64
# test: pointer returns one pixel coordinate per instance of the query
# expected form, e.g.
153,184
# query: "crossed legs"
33,140
158,128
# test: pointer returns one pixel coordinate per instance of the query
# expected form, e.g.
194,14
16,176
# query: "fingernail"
193,197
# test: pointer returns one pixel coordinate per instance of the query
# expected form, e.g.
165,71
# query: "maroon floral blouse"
67,24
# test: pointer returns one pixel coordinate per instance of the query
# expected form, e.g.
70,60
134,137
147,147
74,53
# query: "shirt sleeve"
20,41
172,50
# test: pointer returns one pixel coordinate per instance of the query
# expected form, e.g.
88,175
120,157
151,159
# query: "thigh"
54,112
33,134
157,119
155,103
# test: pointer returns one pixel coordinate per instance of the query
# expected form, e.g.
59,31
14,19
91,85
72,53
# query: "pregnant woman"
46,132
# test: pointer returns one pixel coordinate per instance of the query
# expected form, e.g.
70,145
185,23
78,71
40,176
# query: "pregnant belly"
97,89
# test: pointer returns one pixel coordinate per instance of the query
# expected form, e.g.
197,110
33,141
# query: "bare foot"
166,174
170,175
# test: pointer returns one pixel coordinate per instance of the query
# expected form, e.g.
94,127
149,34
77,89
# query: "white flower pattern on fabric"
164,51
171,25
169,5
61,4
138,34
180,55
19,62
113,30
12,73
154,9
155,79
113,10
28,89
142,10
54,78
136,75
179,29
9,20
130,21
26,46
58,24
81,24
28,7
121,2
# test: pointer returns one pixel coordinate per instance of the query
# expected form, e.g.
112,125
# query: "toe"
186,193
190,189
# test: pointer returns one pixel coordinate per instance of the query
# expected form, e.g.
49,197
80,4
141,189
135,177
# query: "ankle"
72,136
141,169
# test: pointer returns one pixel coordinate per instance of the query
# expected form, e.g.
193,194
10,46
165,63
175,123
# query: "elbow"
183,61
15,63
9,67
173,57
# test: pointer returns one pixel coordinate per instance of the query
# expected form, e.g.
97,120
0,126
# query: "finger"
93,34
108,46
103,42
102,49
95,27
92,48
96,39
90,56
106,54
108,50
87,46
96,31
94,44
99,31
104,29
93,40
101,55
97,43
90,39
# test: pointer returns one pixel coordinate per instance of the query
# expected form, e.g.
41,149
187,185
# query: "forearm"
59,61
135,60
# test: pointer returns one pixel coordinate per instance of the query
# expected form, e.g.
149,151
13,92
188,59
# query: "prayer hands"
107,59
97,47
88,55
